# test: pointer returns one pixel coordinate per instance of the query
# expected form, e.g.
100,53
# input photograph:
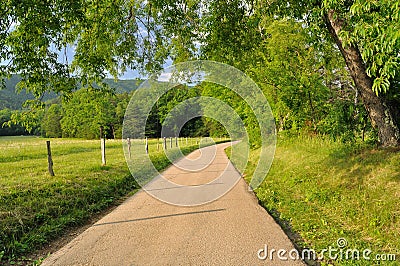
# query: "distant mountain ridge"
11,99
124,85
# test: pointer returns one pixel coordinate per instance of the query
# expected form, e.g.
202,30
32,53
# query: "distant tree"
153,123
175,107
51,126
86,112
120,101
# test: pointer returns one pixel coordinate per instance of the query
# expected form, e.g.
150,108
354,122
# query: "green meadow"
320,190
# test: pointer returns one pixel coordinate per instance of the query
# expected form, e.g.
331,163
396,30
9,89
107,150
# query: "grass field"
324,190
36,208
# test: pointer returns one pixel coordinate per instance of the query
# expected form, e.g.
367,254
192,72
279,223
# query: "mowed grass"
324,190
36,208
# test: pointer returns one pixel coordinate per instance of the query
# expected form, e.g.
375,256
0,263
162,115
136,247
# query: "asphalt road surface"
198,212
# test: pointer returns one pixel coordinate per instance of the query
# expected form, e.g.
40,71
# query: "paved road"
146,231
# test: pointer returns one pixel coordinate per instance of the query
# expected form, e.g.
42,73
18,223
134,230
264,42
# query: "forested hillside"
40,121
13,98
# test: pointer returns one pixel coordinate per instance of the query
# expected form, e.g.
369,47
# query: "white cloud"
165,77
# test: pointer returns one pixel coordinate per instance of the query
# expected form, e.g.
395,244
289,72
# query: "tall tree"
367,35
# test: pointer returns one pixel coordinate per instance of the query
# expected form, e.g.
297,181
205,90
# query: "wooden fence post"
176,141
170,142
129,146
158,144
147,146
165,143
49,158
103,151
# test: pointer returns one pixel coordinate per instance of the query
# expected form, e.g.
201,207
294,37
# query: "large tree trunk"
379,113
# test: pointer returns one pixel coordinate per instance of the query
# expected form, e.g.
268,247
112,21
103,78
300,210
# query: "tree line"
316,109
90,114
